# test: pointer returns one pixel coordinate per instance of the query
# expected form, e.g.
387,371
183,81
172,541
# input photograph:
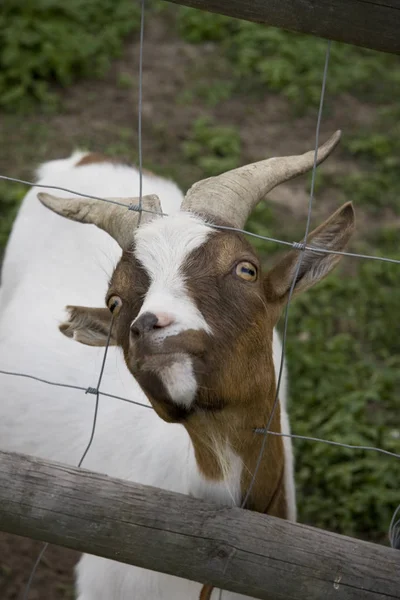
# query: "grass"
44,42
11,195
376,189
212,148
343,344
345,381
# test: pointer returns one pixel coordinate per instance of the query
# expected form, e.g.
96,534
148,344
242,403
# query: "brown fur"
97,157
234,367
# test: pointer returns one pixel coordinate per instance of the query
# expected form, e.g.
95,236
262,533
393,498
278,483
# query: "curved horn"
232,196
115,219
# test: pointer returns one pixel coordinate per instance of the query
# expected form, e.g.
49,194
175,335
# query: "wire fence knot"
299,246
135,207
91,390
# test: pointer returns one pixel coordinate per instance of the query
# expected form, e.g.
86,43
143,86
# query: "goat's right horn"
114,216
231,197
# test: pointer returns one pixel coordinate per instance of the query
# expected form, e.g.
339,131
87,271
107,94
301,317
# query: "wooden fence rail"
371,23
231,548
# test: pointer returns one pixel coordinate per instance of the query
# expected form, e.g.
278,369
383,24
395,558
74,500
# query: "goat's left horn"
116,220
232,196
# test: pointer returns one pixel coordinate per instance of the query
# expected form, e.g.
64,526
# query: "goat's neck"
227,449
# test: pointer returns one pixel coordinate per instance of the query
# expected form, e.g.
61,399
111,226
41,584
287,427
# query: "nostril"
149,321
143,324
135,331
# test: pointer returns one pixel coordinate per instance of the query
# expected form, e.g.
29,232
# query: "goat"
194,316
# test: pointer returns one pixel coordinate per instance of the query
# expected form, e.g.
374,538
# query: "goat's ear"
88,326
334,235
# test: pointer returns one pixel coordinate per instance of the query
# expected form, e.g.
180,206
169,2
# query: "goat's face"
194,314
188,297
192,309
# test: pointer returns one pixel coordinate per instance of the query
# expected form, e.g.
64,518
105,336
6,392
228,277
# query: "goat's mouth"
154,362
152,354
168,372
168,380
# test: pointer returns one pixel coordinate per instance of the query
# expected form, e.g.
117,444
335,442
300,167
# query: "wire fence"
394,528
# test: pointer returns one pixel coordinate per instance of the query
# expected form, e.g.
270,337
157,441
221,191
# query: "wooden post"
237,550
374,24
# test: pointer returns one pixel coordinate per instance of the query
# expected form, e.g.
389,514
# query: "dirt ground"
102,115
53,580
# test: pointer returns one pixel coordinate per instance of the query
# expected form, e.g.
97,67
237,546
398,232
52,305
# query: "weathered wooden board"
371,23
231,548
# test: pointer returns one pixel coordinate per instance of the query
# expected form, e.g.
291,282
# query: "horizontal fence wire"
394,529
135,207
259,430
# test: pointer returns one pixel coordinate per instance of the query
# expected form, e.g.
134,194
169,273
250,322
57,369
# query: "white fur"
162,247
180,381
51,262
285,428
228,491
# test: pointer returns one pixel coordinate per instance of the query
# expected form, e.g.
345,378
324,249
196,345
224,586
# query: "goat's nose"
149,321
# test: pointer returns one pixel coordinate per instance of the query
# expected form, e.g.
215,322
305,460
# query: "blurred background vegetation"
218,93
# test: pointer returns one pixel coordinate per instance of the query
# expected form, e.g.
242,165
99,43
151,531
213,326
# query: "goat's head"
192,309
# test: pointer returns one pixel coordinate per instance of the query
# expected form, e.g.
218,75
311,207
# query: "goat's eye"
246,270
114,304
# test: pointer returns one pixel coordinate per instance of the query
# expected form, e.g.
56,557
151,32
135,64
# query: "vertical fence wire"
95,391
140,106
296,274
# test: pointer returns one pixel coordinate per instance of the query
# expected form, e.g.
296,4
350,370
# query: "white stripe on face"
162,247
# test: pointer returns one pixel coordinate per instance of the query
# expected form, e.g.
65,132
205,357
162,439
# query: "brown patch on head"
96,157
240,346
129,282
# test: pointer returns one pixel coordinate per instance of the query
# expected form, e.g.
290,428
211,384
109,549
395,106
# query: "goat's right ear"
332,235
88,326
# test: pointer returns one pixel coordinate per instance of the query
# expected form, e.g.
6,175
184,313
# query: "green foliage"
291,63
125,80
344,358
211,92
374,188
212,148
45,41
11,195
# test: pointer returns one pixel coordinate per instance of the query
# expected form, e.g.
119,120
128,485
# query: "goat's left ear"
334,235
88,326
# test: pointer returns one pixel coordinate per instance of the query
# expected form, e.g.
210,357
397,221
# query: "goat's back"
51,262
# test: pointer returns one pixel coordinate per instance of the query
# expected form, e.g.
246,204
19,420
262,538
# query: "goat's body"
51,261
